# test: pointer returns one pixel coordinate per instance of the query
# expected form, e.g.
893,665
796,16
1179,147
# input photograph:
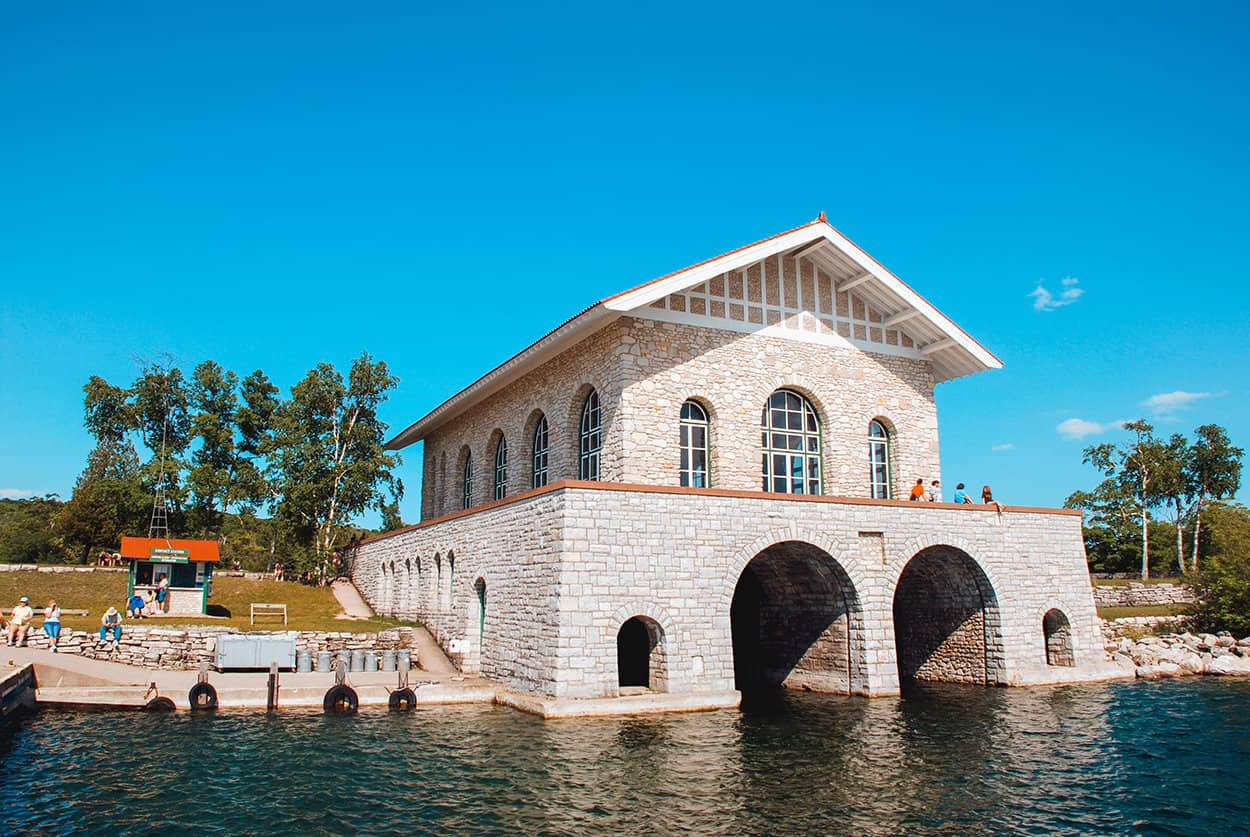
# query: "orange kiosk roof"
169,549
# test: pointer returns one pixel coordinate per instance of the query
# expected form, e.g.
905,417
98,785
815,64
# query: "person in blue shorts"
52,624
162,593
134,607
111,621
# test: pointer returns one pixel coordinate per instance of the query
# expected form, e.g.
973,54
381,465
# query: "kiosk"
185,565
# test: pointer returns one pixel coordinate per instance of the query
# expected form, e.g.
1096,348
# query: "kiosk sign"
171,556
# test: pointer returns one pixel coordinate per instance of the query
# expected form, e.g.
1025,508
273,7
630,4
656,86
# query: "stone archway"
641,658
1058,636
796,622
946,620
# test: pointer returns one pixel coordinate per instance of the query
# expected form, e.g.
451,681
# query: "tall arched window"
590,439
501,469
694,446
468,481
791,442
879,461
538,461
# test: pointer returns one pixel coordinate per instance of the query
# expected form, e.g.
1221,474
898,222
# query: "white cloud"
16,493
1163,403
1007,446
1075,428
1044,300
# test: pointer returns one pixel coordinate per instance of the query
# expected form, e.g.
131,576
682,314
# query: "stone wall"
176,649
564,568
1136,594
644,370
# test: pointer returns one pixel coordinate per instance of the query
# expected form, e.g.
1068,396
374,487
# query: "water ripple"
1143,758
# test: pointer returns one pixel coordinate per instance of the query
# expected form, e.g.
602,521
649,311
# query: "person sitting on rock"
19,622
111,621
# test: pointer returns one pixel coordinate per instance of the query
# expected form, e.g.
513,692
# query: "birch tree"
1214,473
328,457
1135,466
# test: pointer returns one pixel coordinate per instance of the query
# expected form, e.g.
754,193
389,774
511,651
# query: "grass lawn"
1125,582
1142,610
308,608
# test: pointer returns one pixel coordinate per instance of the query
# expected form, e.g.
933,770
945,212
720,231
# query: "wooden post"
271,700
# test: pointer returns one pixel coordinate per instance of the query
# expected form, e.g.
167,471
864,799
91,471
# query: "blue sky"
276,186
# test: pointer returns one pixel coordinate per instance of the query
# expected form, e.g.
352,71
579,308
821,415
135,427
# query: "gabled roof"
142,548
951,350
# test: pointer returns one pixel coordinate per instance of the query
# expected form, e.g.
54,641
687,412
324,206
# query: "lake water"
1149,758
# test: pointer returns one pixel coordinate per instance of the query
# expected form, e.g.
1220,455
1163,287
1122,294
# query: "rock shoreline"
1182,655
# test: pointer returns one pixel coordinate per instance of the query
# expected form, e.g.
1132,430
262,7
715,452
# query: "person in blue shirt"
961,496
134,607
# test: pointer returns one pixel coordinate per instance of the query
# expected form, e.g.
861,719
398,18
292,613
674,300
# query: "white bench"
268,609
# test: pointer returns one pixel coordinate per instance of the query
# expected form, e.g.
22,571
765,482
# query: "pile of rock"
1181,655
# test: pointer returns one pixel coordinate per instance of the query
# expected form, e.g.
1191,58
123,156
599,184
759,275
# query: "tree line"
239,463
1177,479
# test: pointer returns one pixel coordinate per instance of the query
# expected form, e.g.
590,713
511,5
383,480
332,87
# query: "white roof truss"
931,334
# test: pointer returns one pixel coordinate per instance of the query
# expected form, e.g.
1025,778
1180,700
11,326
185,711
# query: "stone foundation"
1137,594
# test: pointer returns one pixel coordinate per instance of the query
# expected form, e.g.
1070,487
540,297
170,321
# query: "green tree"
28,532
1174,488
1214,473
328,460
160,405
1134,468
1112,542
254,418
214,462
1223,582
108,501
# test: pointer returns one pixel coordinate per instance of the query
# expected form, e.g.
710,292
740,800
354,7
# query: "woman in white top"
52,624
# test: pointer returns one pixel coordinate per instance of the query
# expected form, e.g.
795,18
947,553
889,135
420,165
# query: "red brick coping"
716,492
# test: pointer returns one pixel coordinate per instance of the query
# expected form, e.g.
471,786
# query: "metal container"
403,659
303,662
371,661
388,660
254,651
345,656
358,660
325,661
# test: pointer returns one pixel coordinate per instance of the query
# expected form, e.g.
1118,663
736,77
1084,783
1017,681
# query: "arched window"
468,481
538,462
879,481
694,446
501,469
791,442
590,439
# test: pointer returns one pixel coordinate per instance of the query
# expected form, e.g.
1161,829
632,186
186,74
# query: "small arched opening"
946,620
1058,633
640,656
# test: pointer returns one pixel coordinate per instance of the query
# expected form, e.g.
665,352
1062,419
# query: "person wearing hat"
19,622
111,621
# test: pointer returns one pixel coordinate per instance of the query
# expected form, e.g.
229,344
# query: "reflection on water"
1162,758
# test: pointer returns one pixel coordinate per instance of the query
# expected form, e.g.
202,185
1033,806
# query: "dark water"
1166,758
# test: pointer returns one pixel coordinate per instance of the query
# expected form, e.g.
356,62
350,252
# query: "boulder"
1230,666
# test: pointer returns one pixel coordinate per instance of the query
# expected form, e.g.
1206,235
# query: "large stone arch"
947,621
796,617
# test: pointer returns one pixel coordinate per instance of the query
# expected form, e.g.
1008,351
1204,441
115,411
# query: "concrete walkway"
430,655
78,681
354,604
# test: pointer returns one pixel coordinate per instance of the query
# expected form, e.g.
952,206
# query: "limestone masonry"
699,485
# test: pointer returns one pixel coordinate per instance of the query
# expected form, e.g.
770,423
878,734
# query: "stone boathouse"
699,485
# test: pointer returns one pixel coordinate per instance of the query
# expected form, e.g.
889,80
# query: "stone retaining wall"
175,650
1137,594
